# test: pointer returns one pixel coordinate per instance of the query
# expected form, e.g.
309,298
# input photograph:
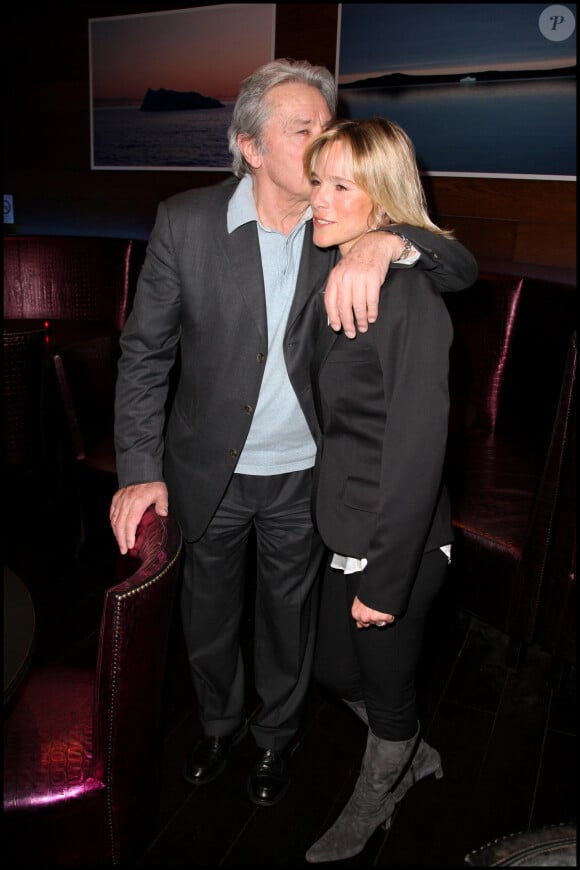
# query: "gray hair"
251,111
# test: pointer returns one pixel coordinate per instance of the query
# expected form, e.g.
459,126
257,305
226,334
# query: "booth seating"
71,278
82,736
66,300
512,381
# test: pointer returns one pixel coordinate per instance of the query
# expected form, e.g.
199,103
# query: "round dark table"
19,628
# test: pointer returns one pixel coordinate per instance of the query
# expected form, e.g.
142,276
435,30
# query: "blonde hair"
384,166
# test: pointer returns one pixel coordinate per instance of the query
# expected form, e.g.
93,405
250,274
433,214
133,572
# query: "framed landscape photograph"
482,89
163,84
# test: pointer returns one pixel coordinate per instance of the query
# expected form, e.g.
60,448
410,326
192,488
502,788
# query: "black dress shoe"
209,756
270,779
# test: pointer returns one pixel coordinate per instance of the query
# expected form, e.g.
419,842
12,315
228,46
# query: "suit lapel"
312,275
325,342
243,251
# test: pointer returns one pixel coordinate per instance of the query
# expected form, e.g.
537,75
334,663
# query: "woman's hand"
365,617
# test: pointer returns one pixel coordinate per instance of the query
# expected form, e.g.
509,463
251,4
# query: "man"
226,283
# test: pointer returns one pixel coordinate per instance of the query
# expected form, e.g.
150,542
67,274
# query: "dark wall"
518,224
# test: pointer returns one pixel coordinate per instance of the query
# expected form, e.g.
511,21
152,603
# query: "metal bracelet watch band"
408,246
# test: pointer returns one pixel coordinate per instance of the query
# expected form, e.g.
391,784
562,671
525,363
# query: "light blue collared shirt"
279,440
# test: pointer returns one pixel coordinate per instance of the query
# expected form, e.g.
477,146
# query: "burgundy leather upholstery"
71,278
83,287
557,631
484,320
81,739
510,389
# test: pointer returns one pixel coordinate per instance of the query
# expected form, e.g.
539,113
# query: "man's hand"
128,506
354,285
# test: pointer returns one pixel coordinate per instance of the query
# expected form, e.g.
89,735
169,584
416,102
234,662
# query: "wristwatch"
407,246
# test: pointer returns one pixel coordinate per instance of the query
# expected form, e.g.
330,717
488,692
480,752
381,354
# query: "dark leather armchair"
557,631
510,396
82,737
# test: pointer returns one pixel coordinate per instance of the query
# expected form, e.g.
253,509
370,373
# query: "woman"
381,506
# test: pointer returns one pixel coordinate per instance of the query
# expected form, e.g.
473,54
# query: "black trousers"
376,665
289,556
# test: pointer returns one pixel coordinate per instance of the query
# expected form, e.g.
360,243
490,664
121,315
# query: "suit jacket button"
248,409
260,357
233,453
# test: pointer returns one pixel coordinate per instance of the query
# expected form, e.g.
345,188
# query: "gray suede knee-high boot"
425,761
370,803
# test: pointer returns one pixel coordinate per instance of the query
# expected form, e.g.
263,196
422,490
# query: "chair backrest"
70,278
135,624
82,737
483,319
555,511
86,373
547,317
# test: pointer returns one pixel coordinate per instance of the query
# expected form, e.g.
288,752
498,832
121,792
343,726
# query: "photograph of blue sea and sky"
163,84
481,88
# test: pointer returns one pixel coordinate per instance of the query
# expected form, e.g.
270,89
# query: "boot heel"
432,764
